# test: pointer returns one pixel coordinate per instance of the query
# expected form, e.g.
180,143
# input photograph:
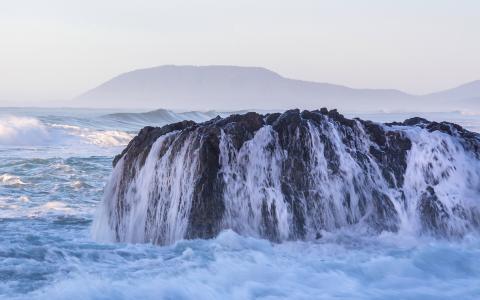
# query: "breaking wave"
23,131
28,131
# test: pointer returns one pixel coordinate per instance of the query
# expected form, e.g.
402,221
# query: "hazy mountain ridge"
470,90
234,88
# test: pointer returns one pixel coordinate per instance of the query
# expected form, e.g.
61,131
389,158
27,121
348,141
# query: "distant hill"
466,91
234,88
463,97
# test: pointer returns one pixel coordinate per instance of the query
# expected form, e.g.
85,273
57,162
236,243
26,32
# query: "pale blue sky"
56,49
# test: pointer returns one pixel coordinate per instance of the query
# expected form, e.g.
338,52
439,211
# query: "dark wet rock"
146,137
434,214
372,148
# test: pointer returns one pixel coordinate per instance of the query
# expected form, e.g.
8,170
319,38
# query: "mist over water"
54,165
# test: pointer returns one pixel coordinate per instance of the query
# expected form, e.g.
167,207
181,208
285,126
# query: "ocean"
54,164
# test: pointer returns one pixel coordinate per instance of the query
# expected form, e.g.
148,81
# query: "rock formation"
293,175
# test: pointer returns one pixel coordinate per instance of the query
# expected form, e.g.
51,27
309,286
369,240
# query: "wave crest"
105,138
22,131
28,131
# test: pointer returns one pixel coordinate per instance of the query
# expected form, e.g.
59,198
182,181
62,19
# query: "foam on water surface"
235,267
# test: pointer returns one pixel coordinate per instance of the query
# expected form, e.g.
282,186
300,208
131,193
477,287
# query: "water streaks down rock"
293,175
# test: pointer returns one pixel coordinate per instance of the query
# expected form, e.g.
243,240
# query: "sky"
57,49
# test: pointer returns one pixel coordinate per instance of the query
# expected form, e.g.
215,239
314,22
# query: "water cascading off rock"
293,176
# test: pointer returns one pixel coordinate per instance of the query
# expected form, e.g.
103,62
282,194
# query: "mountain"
227,88
466,91
235,88
466,96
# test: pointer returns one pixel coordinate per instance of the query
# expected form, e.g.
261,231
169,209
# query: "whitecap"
77,184
12,180
22,131
24,199
49,207
28,131
103,138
